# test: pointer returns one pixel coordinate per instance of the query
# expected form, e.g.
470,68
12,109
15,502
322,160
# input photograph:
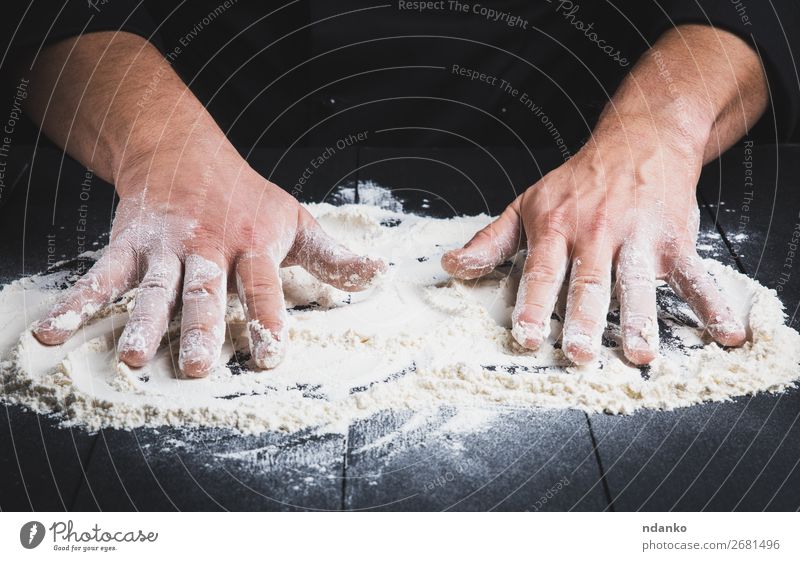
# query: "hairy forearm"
698,85
110,99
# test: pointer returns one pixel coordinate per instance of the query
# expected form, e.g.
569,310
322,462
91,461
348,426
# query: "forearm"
697,85
110,99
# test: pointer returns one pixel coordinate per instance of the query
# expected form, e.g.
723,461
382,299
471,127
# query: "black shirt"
309,72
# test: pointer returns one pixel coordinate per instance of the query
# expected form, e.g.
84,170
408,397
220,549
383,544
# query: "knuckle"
589,280
197,289
542,273
206,233
200,243
155,284
154,300
534,312
303,246
597,228
484,235
247,233
197,292
634,322
581,328
196,331
635,279
90,284
263,288
551,239
685,265
489,237
681,252
559,217
556,234
123,247
200,290
142,324
304,220
203,278
511,212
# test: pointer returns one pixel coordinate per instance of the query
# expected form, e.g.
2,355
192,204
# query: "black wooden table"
739,455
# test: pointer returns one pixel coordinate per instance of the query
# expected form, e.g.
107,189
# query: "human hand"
626,204
185,230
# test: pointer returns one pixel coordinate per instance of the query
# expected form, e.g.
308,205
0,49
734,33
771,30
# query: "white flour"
417,341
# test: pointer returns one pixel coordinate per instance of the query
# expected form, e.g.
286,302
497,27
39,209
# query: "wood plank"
41,463
758,212
527,460
720,457
206,469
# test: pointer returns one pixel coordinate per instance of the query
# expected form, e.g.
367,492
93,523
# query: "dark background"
308,72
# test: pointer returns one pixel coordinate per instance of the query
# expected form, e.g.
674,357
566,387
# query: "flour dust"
416,342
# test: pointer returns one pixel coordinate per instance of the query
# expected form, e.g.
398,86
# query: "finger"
156,297
587,304
260,291
491,246
542,278
636,291
203,322
112,275
690,281
331,262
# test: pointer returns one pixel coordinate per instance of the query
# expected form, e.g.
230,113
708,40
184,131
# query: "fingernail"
638,350
55,330
728,332
267,347
450,260
372,269
379,272
466,265
379,263
69,321
43,326
133,337
198,354
132,346
529,335
364,275
44,333
580,347
640,341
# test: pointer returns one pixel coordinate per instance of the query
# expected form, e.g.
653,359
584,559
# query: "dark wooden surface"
740,455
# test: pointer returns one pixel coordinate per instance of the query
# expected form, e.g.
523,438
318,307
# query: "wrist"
677,125
200,159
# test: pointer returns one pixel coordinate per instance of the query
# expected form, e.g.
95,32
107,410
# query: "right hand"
184,229
616,205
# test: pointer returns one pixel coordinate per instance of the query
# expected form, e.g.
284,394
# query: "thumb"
487,249
330,261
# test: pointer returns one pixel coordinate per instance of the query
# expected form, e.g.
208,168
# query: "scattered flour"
416,341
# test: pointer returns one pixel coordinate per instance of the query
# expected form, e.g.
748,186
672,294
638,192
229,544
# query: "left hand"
625,202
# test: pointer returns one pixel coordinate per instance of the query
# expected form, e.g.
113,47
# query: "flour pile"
416,341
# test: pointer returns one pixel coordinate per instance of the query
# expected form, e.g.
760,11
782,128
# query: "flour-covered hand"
619,206
186,229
